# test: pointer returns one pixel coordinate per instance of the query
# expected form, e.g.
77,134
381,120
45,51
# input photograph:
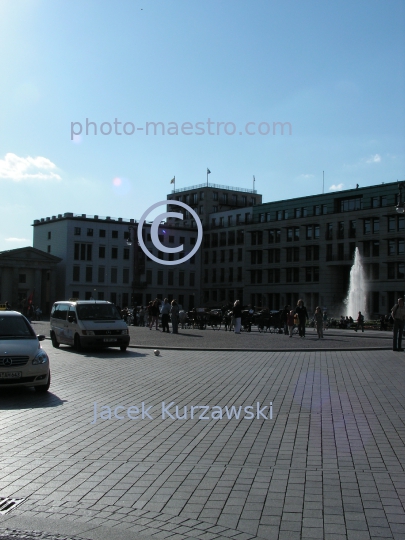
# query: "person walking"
302,313
142,316
290,323
360,322
284,315
154,312
398,314
165,315
237,315
318,316
174,312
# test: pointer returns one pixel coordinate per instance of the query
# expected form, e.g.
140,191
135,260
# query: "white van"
88,323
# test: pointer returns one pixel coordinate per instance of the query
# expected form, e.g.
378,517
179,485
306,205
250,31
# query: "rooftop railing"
216,186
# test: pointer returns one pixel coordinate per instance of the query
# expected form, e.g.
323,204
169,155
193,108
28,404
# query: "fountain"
357,295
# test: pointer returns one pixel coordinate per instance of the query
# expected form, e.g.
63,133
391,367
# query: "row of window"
222,253
173,278
101,274
223,198
223,275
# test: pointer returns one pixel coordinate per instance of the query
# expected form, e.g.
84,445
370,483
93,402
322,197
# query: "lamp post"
135,259
400,207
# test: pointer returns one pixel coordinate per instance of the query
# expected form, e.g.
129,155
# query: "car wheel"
44,387
78,345
123,348
54,340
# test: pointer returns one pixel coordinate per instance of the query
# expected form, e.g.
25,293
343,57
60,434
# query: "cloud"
16,240
335,187
18,168
305,176
374,159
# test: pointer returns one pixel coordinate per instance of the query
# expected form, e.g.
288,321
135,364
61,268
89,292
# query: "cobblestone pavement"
213,339
329,464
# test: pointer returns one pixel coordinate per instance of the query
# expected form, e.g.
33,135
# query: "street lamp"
400,207
135,259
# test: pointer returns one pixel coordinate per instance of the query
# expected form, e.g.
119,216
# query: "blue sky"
334,70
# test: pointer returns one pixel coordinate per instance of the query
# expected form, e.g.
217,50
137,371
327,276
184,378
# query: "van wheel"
123,348
54,341
44,387
78,345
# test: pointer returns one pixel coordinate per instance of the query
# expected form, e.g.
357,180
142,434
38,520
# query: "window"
366,249
160,255
170,277
101,274
348,205
316,273
401,223
367,226
308,253
22,278
214,257
279,215
192,279
375,202
304,212
201,195
391,247
171,239
101,252
114,253
289,234
324,209
240,254
89,232
76,273
126,254
49,235
160,277
101,233
341,252
376,248
214,276
89,273
48,249
316,232
391,224
114,234
329,252
352,228
222,275
230,271
296,234
77,231
181,279
231,255
244,200
317,210
309,232
114,275
296,254
192,259
215,195
400,246
222,258
308,274
285,214
239,274
205,275
341,230
297,213
125,275
376,225
149,277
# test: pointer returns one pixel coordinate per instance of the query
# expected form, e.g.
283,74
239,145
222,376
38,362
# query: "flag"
173,180
208,171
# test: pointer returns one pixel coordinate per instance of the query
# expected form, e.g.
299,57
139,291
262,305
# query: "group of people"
298,317
149,315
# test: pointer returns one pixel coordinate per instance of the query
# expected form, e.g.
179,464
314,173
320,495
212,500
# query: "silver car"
22,360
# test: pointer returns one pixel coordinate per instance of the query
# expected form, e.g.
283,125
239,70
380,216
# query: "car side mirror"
41,337
71,318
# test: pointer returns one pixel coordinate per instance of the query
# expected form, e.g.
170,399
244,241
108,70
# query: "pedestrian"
165,315
318,316
290,323
8,306
284,315
325,320
398,314
302,313
360,322
154,314
142,316
237,315
174,313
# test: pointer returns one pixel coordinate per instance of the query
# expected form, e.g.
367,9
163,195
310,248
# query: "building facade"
265,254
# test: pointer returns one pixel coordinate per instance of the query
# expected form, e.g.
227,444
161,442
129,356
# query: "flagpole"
207,177
254,180
174,183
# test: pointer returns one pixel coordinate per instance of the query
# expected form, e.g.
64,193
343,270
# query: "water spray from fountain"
357,295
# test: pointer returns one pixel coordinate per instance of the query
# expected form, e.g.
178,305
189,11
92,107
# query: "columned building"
28,272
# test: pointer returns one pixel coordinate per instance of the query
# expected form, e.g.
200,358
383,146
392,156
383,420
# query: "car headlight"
88,332
40,358
124,331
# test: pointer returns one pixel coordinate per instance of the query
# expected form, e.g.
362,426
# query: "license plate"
109,339
10,375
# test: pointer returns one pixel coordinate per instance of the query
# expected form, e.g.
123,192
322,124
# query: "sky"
224,72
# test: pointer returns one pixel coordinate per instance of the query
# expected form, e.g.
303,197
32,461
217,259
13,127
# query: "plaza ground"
330,464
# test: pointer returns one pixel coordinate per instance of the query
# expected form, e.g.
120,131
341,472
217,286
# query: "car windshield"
15,327
99,312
